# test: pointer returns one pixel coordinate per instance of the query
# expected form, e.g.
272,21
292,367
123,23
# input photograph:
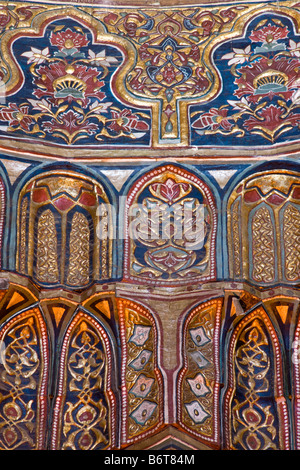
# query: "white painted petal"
236,60
234,104
229,55
100,107
138,135
238,51
112,60
296,96
36,51
41,105
239,104
101,54
27,54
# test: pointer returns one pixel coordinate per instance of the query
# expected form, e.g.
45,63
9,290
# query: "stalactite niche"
142,383
57,231
199,379
85,407
264,228
255,409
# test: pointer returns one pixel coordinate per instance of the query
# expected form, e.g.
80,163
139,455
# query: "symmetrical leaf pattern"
263,246
47,264
291,236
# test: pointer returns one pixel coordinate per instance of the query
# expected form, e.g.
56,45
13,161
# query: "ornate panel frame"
278,386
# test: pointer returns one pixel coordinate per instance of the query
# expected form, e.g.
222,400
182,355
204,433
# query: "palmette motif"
69,103
151,77
145,84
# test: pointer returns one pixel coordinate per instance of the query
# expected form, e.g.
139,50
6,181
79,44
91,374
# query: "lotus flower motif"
61,82
170,191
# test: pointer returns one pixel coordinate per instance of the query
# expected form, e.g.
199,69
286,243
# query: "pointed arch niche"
57,238
24,381
85,406
171,226
198,384
141,378
263,226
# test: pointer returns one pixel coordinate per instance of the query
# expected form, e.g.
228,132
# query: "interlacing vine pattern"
151,77
171,228
149,225
69,102
22,383
82,403
265,99
252,421
255,407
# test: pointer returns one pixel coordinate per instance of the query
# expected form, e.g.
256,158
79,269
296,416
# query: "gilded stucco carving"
200,379
23,414
143,395
180,247
254,422
149,225
83,406
266,236
49,251
104,77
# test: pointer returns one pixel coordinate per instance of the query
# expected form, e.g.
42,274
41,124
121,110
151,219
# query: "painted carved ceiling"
149,225
93,78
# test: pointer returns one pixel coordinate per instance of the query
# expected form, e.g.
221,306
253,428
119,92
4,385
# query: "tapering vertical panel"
24,382
47,256
199,380
141,379
291,241
263,246
84,412
255,409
